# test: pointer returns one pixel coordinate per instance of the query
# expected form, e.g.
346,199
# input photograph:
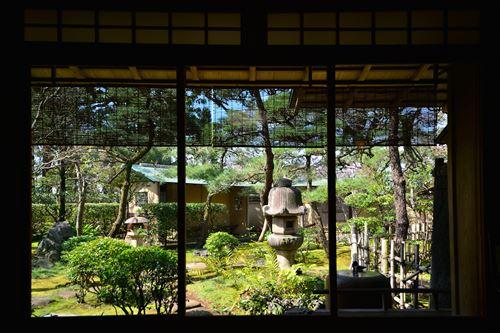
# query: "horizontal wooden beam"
364,72
135,73
420,72
194,73
77,72
252,73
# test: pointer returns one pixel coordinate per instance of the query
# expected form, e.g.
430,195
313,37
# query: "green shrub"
90,264
42,219
97,218
220,246
285,291
73,242
89,230
163,217
142,277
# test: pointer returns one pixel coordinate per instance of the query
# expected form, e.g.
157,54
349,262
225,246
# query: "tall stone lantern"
134,224
284,209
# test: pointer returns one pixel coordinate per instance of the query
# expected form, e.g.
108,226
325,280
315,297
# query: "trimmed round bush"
73,242
221,244
91,263
141,278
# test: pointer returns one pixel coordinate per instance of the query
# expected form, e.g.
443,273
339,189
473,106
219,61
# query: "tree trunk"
398,180
308,172
82,194
61,216
316,218
206,218
124,192
269,168
122,208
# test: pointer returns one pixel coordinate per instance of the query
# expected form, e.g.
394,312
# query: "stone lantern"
284,209
134,225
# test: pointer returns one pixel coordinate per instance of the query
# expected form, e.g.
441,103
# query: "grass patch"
43,273
221,294
218,294
191,258
70,306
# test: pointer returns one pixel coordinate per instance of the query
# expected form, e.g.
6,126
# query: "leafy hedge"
131,279
164,214
99,216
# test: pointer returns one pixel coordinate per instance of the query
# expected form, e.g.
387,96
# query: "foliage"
220,246
163,217
141,277
98,218
91,264
73,242
275,296
319,194
311,242
41,220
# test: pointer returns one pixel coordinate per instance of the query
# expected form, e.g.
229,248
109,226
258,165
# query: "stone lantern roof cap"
136,220
284,200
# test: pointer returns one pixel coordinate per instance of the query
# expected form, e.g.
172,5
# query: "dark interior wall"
466,191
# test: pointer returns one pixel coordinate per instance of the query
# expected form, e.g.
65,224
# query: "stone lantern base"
286,247
285,258
134,239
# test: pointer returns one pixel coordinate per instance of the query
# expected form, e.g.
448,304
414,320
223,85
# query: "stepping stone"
66,293
196,265
41,301
191,304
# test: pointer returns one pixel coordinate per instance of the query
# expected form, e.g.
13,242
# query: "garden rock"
49,248
67,294
42,263
201,253
41,301
198,312
191,304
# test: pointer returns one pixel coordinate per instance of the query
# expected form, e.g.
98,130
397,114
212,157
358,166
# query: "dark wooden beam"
135,73
364,72
420,72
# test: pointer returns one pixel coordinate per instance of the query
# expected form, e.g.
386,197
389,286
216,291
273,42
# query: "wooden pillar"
465,186
440,245
383,265
366,246
354,244
392,264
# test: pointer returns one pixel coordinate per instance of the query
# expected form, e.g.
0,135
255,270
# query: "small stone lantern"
134,224
284,208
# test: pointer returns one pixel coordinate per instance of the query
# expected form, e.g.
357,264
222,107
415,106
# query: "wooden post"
384,263
392,264
402,273
366,246
416,263
354,244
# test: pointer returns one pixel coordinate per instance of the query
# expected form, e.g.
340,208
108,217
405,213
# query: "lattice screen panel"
237,120
386,116
103,116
